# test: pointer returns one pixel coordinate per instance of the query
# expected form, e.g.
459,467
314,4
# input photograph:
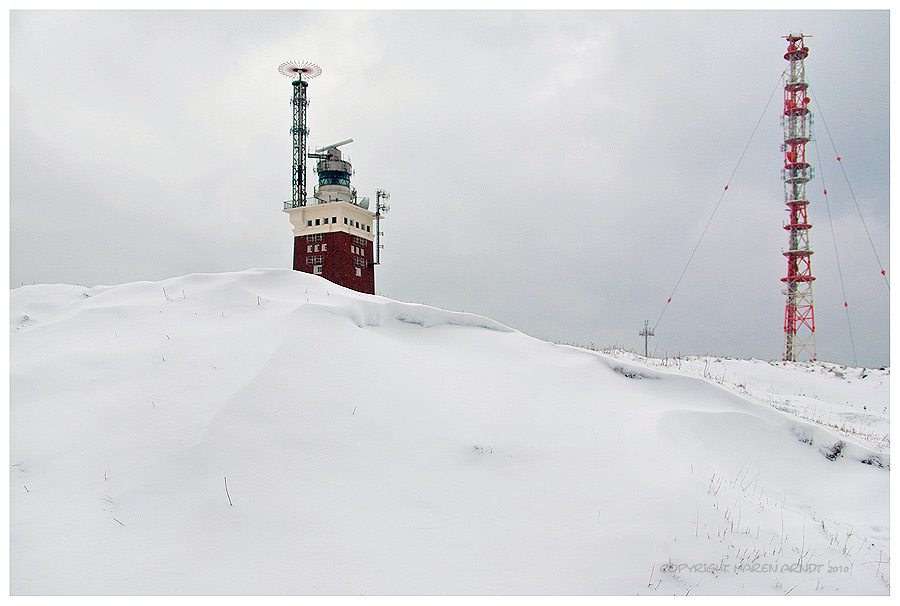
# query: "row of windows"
314,260
317,222
336,179
359,262
314,238
359,241
324,221
317,269
315,248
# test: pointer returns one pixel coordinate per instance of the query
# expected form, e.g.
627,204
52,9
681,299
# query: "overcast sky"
551,170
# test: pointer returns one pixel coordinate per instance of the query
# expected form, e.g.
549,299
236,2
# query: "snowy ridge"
57,302
851,402
268,432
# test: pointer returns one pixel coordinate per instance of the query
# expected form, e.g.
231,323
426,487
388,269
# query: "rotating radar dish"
299,69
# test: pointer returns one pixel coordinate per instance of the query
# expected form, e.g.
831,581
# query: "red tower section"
338,256
799,318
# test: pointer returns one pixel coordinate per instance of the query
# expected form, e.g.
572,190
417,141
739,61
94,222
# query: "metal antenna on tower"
299,70
380,208
799,319
646,333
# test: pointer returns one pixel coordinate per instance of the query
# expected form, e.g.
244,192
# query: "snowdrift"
269,432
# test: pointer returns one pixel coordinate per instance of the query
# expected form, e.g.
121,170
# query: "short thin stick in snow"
782,519
793,588
226,493
697,530
802,541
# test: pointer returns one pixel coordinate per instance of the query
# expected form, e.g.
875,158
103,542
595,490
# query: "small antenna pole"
379,207
646,333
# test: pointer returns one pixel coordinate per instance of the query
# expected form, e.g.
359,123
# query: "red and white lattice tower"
799,319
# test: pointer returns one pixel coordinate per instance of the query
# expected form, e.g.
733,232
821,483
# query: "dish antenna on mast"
299,69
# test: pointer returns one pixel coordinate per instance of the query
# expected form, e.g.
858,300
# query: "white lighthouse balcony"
331,217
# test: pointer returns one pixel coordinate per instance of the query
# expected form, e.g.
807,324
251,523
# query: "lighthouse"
336,236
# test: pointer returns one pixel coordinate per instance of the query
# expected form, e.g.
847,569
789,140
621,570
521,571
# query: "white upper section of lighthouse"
328,217
336,207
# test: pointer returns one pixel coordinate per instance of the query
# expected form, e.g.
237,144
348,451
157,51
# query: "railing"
289,204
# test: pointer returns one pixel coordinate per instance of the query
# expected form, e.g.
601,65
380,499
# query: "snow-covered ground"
851,401
268,432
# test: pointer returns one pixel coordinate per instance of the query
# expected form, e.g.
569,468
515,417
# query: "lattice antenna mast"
799,318
299,70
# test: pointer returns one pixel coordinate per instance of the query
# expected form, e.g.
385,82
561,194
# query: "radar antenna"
334,145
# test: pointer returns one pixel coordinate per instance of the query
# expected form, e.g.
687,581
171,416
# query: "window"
345,220
316,248
309,223
368,228
334,177
358,272
317,270
324,247
334,219
326,220
309,248
317,221
357,225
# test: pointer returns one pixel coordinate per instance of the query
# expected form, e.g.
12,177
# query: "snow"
268,432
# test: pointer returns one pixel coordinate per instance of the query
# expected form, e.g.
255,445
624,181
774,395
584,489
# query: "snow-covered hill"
268,432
